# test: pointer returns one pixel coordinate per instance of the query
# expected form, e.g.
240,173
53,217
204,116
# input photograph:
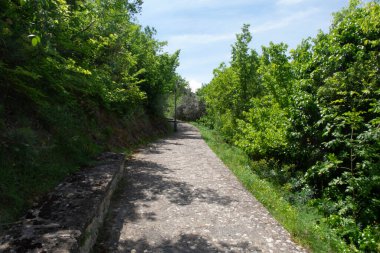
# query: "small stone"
269,240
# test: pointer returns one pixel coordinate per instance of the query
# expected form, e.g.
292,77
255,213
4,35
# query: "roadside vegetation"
304,224
308,122
76,78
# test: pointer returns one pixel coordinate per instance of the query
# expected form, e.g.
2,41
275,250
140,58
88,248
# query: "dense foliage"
71,74
314,114
190,106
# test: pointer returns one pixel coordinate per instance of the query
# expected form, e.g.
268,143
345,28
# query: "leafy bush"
262,133
315,113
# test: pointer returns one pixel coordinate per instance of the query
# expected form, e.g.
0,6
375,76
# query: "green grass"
304,224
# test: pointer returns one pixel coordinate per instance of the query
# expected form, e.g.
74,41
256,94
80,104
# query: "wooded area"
76,78
311,117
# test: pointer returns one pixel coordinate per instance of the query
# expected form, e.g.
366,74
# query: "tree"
222,98
245,62
276,72
316,111
191,107
71,72
347,77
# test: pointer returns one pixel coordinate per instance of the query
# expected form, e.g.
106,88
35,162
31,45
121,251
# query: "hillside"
76,78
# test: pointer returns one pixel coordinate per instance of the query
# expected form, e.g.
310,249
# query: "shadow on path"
146,182
184,132
177,197
186,243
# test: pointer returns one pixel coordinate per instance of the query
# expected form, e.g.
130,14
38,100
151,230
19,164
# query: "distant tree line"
190,107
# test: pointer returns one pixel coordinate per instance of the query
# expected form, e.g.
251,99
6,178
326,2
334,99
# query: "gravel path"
177,196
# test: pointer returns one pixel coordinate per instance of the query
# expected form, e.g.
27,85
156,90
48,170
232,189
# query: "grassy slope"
305,226
37,152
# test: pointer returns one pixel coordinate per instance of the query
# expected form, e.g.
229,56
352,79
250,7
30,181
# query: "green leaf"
36,40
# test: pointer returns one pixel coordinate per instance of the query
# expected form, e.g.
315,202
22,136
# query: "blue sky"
204,30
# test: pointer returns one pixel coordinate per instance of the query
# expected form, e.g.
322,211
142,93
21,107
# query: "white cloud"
289,2
205,29
205,61
187,39
164,6
194,85
284,22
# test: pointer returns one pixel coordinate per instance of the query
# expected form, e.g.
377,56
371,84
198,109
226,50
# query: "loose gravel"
177,196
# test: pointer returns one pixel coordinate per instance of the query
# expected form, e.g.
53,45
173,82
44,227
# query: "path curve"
179,197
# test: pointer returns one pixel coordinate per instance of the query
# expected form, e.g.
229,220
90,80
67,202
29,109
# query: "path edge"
60,223
97,222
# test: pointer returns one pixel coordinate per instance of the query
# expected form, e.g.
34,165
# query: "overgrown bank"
312,115
302,222
76,78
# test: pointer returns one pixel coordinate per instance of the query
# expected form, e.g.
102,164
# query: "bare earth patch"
177,196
